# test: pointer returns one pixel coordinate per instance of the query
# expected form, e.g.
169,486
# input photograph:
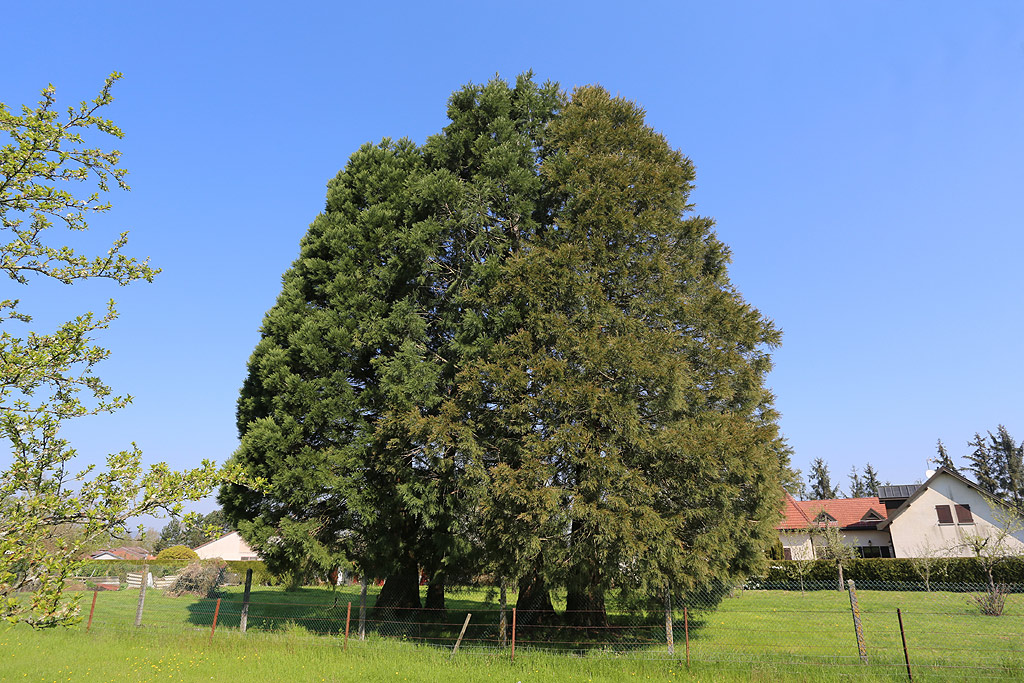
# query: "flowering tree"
46,378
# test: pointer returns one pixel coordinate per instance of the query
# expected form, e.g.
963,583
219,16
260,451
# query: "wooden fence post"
668,622
348,618
502,620
513,658
858,629
216,611
362,607
903,635
243,619
92,609
686,630
142,596
461,633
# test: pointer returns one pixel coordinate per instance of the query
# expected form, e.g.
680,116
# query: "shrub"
992,601
177,552
201,578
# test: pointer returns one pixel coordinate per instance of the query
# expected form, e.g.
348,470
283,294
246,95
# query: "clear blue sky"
863,160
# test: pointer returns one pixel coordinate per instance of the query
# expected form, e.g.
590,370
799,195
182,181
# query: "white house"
932,518
936,517
856,518
228,547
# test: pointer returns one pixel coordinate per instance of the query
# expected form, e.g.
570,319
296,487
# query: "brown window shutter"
944,513
963,514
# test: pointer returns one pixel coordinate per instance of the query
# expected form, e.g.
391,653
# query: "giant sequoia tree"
515,349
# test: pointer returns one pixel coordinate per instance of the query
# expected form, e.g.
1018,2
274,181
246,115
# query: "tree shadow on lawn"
323,612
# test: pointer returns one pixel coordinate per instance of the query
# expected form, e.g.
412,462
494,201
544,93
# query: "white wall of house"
229,547
864,537
798,543
800,546
917,528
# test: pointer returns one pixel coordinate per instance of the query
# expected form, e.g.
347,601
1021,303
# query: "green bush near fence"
953,570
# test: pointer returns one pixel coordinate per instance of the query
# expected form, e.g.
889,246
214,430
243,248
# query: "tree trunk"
839,565
584,601
533,606
435,593
400,593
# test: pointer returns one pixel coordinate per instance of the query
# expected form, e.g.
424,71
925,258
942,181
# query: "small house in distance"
856,518
122,553
228,547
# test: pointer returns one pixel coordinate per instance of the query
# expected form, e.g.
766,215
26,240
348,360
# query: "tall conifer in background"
871,482
942,457
820,481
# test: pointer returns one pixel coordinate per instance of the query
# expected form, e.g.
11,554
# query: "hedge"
945,571
261,576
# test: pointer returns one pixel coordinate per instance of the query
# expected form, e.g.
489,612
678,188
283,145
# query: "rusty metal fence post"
513,656
216,611
92,609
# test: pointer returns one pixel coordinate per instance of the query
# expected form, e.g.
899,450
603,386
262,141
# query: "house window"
963,514
874,551
787,553
944,514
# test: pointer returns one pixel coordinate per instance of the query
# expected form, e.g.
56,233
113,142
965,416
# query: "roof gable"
942,471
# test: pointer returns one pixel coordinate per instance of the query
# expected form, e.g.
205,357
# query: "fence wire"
948,630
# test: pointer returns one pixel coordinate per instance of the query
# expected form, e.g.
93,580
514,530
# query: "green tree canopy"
515,349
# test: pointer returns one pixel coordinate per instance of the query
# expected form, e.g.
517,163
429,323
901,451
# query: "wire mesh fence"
943,630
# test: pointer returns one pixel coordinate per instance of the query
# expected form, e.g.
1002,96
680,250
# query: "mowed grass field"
758,635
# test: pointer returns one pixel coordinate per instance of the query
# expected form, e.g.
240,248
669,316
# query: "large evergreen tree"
633,429
514,349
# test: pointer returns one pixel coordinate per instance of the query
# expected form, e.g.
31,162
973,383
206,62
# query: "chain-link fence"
950,630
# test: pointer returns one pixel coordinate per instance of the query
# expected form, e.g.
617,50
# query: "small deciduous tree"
992,546
927,561
47,378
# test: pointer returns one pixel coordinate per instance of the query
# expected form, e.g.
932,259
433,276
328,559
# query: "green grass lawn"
757,634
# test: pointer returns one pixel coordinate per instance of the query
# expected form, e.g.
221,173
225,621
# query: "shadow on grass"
324,612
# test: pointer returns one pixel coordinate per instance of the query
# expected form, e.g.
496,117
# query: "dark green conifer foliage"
982,465
942,457
821,482
858,487
515,350
342,353
871,482
628,438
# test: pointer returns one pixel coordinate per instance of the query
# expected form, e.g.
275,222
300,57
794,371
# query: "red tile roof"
849,513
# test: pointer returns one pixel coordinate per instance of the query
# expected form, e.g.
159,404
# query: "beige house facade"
939,516
935,518
228,547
